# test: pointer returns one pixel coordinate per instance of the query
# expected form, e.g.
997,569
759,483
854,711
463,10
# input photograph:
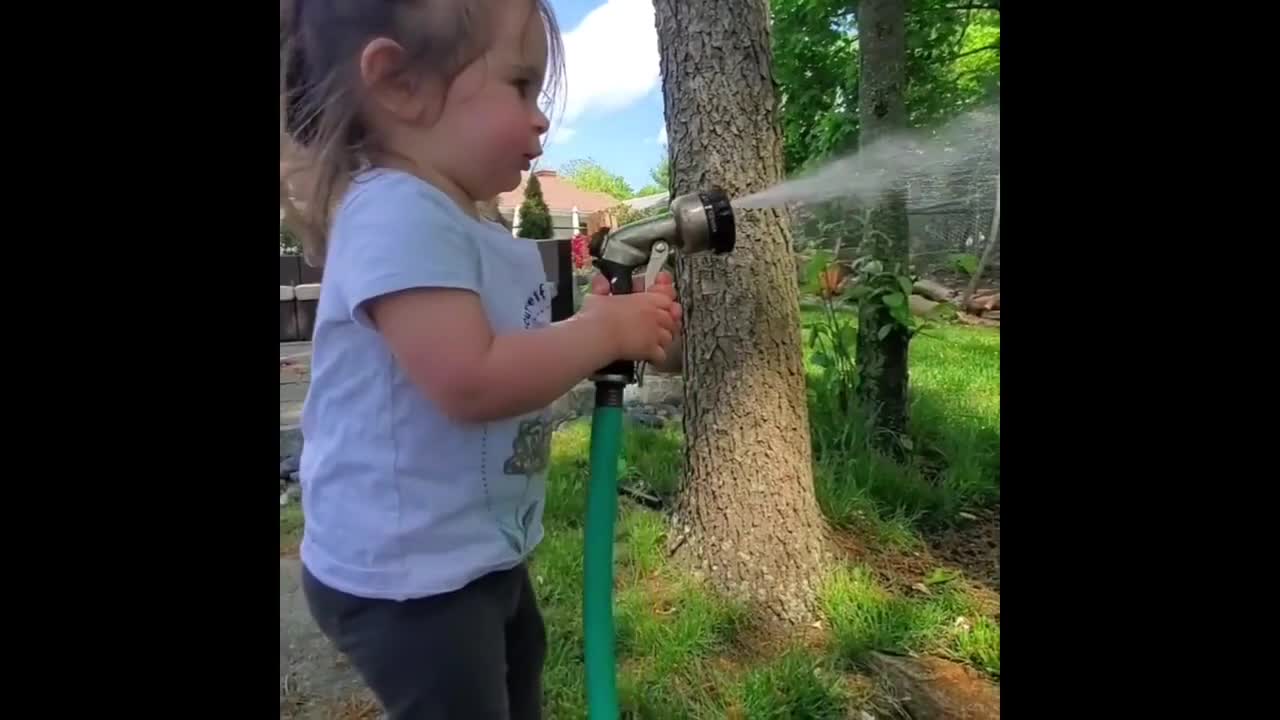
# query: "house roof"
560,195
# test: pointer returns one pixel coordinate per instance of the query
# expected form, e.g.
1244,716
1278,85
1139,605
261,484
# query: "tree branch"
975,51
992,6
968,15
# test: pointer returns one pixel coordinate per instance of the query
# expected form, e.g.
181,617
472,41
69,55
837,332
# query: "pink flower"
581,251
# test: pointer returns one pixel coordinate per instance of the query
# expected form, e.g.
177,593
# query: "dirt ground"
972,547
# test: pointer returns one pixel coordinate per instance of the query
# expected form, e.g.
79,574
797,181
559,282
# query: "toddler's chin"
509,183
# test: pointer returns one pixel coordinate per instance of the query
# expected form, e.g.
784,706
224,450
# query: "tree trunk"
747,519
882,354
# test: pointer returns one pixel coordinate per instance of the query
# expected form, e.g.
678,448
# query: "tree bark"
747,519
882,360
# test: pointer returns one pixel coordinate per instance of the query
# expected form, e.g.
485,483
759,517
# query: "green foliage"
815,56
833,336
653,460
289,244
966,263
953,59
954,433
890,289
589,175
290,527
535,218
953,65
661,174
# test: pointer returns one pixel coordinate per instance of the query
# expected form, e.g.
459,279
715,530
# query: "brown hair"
322,137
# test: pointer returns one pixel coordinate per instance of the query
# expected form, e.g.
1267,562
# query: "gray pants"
475,653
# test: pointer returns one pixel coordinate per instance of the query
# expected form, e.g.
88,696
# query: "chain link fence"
946,239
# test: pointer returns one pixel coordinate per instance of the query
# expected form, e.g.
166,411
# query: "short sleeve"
396,233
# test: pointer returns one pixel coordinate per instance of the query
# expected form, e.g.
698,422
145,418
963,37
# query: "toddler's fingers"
664,290
599,285
659,300
663,279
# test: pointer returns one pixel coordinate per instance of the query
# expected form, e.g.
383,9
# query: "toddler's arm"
404,266
443,340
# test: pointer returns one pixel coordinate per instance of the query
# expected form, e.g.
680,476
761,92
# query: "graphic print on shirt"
531,449
537,308
531,444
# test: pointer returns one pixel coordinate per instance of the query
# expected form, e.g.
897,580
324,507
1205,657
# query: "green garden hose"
597,596
696,222
602,511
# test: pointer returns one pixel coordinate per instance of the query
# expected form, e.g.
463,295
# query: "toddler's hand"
641,324
662,284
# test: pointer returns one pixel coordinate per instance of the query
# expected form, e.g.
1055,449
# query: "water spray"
695,223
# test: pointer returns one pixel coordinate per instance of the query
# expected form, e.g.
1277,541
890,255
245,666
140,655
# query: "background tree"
883,315
590,175
953,58
746,516
953,65
816,61
661,175
535,218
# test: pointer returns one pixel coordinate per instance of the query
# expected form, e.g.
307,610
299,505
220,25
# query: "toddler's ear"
408,96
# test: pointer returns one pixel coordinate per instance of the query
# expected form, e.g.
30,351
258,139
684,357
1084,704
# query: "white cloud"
560,134
662,136
611,58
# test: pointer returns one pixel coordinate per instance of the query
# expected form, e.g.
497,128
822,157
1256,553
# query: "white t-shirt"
400,501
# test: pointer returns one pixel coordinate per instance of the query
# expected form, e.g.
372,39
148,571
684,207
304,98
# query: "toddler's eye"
522,86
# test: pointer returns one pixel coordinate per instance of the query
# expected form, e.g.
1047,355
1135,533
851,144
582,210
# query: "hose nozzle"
696,222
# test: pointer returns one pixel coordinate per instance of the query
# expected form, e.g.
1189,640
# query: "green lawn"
955,436
683,652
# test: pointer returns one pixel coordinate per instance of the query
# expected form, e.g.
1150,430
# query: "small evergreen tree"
535,218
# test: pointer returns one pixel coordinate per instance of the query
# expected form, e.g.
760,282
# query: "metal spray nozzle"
695,223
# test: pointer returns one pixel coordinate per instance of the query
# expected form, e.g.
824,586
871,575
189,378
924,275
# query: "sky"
610,108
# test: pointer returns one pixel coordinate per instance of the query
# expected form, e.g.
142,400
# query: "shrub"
289,244
535,218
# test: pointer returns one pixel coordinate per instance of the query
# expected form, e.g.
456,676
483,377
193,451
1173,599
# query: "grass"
866,617
290,529
682,650
954,435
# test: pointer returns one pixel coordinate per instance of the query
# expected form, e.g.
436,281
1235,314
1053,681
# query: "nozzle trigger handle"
622,372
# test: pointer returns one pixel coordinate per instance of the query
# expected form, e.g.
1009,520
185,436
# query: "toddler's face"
490,125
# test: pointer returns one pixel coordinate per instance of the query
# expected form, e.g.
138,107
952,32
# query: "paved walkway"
315,681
